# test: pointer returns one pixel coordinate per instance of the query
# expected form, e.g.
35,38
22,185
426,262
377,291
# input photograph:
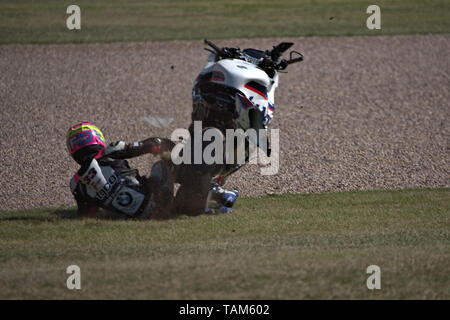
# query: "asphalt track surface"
359,113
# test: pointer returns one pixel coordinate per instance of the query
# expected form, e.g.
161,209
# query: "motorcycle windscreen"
253,55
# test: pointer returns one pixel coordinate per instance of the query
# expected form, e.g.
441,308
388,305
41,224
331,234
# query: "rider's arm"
122,150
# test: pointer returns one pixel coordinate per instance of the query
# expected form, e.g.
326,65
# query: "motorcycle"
235,90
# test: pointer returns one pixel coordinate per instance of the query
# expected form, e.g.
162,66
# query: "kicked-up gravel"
359,113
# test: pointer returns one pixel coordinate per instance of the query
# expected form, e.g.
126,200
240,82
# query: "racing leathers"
106,180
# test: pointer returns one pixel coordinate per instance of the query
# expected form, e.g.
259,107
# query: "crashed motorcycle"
235,90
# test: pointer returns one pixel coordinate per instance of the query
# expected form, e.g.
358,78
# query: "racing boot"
221,200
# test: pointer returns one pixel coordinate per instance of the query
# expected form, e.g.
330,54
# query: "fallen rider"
106,180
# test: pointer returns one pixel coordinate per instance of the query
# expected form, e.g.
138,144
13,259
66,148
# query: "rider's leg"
162,185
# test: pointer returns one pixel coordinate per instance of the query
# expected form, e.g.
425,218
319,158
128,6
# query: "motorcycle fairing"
246,78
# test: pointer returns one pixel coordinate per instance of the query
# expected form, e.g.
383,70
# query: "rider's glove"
157,145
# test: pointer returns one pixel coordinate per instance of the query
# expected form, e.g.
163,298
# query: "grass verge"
274,247
142,20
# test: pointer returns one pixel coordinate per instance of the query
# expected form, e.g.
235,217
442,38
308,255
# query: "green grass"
139,20
274,247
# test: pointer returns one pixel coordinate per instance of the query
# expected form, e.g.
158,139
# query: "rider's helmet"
84,141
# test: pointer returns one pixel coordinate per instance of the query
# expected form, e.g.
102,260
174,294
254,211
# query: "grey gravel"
359,113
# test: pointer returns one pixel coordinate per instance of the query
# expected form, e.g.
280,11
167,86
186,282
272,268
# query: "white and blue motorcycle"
236,90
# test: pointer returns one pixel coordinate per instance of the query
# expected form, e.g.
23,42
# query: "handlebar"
295,60
284,63
273,55
212,45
